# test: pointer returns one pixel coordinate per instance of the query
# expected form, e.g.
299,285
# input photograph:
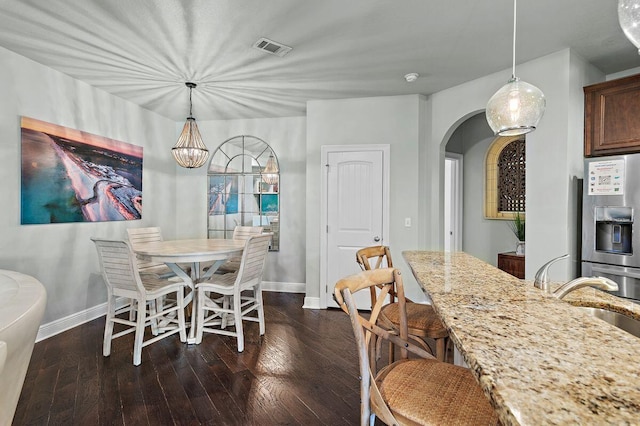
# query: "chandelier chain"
513,69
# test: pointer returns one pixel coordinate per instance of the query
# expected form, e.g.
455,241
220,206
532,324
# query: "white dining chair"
227,300
123,279
239,233
139,236
148,235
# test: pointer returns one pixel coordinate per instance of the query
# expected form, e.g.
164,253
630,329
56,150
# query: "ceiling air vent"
272,47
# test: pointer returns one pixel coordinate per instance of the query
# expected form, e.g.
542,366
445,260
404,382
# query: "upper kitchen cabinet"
612,117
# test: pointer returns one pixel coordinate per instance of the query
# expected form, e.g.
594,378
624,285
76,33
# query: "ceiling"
144,50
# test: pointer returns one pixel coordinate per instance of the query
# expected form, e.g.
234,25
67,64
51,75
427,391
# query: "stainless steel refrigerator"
611,200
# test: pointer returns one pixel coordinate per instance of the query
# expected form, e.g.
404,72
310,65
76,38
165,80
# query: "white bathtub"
22,303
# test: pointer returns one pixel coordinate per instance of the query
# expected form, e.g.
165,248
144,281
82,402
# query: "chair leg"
132,310
392,354
237,316
441,350
181,319
152,311
225,316
200,314
137,344
108,326
373,352
257,293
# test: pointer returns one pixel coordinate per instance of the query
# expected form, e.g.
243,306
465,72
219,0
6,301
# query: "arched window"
244,188
505,184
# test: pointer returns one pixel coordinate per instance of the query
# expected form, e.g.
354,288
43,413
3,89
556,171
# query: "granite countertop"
537,358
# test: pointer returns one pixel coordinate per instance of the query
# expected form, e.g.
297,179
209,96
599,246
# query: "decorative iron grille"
512,164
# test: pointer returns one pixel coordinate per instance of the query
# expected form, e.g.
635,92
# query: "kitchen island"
538,359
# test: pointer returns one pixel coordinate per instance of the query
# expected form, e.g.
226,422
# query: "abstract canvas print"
73,176
223,194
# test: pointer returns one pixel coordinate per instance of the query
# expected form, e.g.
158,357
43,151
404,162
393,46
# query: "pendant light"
190,152
270,172
518,106
629,18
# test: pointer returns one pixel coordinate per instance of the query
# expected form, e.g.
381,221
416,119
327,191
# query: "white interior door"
355,213
453,202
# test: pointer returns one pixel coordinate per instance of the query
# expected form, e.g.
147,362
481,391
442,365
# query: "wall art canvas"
269,203
73,176
223,194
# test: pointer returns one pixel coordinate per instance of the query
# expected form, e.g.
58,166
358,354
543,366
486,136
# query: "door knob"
376,238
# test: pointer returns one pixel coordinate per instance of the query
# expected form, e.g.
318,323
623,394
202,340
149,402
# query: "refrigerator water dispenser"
614,229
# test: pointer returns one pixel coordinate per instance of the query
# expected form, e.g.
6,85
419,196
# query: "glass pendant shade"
270,172
190,152
629,18
516,108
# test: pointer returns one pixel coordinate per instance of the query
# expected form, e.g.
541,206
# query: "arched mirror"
244,188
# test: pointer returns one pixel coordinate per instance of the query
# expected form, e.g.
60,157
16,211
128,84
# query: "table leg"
190,298
213,268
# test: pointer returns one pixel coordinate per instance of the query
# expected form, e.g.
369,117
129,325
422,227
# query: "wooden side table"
512,263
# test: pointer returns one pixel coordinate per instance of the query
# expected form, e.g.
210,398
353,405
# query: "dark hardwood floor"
303,371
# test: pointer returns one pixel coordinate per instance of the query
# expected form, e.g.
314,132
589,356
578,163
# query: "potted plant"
517,226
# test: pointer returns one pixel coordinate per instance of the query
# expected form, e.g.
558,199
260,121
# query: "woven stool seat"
421,320
430,392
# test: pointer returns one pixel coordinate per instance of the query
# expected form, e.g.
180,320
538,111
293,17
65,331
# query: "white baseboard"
284,287
63,324
312,303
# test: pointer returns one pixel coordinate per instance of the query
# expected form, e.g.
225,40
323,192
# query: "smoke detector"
411,77
272,47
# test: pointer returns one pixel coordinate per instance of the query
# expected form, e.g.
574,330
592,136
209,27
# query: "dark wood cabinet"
612,117
512,263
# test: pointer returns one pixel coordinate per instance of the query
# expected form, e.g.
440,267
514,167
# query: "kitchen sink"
623,322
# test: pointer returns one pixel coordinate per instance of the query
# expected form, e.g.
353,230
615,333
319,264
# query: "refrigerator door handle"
622,272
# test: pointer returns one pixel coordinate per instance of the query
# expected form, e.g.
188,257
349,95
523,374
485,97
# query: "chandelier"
270,172
190,152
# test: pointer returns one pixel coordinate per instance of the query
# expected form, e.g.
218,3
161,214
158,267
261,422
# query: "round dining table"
175,253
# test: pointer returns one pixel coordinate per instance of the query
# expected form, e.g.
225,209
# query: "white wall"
62,256
287,137
393,120
553,150
621,74
482,238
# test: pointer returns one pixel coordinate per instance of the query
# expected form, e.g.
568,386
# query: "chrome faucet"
542,276
598,282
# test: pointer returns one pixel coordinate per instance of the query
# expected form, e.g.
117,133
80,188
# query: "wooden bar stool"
422,321
409,391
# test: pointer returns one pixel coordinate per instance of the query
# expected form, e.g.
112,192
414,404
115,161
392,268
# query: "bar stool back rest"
375,257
